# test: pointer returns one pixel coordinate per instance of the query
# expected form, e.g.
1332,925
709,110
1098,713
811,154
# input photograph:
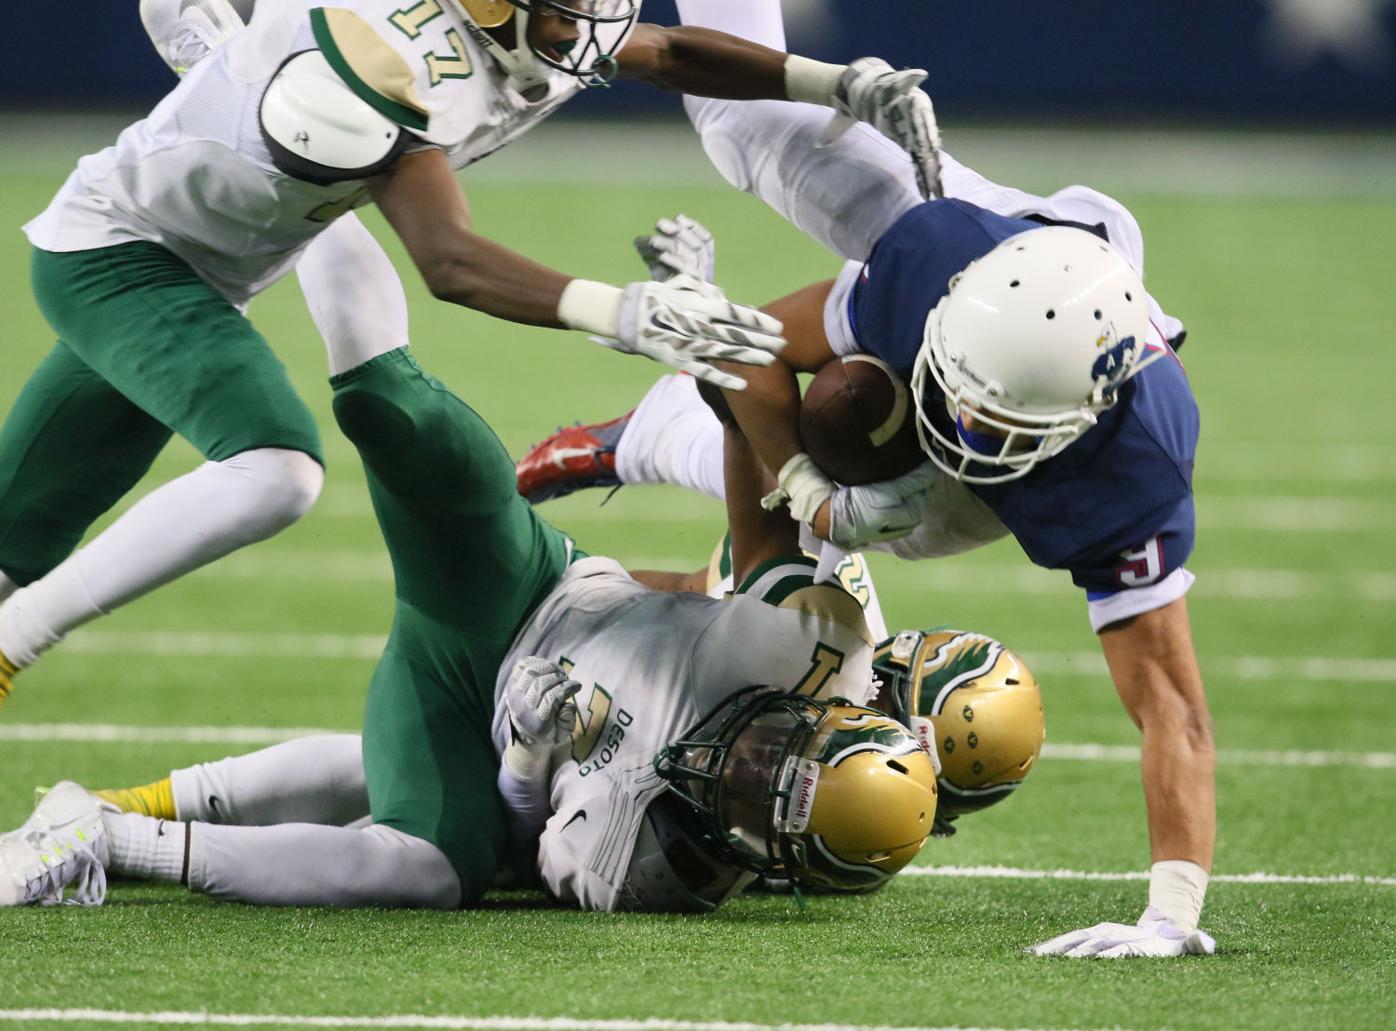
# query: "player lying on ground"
146,258
498,620
1048,398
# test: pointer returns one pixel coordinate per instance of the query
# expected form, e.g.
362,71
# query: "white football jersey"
195,176
651,665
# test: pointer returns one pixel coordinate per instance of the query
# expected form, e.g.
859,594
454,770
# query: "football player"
663,785
1050,403
146,258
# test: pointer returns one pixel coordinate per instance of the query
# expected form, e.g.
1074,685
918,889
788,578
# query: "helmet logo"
1110,366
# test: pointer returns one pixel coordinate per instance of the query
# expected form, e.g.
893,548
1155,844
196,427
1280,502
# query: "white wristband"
804,485
591,307
1177,888
812,82
527,763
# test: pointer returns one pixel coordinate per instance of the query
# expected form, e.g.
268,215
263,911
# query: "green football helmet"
970,700
824,793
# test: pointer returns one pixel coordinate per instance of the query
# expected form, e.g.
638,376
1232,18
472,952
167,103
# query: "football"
857,421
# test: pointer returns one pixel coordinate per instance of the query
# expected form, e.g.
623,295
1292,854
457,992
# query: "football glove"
538,696
679,246
863,515
686,324
891,101
1153,935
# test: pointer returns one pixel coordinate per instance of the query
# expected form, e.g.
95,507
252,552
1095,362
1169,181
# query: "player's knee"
369,418
283,485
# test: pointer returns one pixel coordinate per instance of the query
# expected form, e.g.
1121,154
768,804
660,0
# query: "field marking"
1018,873
242,735
1285,513
423,1021
257,646
1240,584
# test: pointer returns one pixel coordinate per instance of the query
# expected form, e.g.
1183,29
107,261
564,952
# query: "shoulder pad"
319,130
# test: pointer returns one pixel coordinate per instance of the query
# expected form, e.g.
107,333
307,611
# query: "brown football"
858,423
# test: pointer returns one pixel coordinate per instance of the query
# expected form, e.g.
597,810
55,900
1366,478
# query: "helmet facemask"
827,794
603,26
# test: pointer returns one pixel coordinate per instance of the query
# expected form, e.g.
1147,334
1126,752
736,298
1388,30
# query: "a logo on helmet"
1111,365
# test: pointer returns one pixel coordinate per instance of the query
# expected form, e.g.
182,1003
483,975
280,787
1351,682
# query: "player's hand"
538,696
863,515
894,104
679,246
1153,935
687,324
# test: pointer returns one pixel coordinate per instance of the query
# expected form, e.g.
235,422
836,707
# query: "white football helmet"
1033,341
604,25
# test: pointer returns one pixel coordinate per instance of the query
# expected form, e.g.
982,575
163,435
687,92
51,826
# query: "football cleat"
62,845
8,672
572,459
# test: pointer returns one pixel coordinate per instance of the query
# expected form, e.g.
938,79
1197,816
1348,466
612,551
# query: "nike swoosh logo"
580,814
160,830
213,806
562,454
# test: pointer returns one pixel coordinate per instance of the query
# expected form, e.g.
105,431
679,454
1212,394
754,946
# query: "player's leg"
291,864
143,322
317,779
354,294
845,194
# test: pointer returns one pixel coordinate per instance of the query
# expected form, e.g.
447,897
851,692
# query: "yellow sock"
156,799
7,677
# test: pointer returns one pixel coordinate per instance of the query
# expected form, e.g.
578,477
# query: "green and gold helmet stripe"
368,65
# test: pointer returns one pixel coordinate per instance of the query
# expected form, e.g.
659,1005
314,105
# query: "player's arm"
419,196
1155,670
706,63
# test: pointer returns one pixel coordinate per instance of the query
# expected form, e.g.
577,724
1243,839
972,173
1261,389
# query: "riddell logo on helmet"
925,732
802,791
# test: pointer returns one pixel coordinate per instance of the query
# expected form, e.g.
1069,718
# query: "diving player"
499,620
1050,401
146,258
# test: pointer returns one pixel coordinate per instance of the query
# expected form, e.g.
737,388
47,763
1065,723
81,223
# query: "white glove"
687,324
891,101
679,246
538,696
859,516
1153,935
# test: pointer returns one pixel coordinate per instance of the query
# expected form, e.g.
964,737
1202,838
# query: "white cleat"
186,31
62,845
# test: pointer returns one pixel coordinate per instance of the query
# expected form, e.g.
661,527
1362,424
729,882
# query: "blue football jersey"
1115,508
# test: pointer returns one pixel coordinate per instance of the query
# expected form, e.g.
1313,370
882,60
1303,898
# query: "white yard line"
261,646
240,735
279,564
423,1021
1017,873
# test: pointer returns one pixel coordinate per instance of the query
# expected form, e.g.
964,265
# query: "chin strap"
521,64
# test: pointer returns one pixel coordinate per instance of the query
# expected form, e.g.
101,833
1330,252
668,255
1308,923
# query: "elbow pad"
318,130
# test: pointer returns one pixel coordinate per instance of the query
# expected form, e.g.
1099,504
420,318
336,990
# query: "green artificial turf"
1290,308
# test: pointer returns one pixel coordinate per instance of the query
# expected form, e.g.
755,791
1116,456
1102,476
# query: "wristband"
812,82
526,763
802,484
591,307
1177,888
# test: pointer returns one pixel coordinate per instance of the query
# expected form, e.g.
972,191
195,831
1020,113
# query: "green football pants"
471,562
146,349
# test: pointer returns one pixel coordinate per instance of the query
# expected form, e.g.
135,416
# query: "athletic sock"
673,437
153,799
143,846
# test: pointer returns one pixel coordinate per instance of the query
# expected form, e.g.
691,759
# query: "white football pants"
287,826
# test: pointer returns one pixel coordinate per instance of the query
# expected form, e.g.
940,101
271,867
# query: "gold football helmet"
971,700
827,794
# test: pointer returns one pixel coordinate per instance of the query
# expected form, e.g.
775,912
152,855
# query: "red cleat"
572,459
